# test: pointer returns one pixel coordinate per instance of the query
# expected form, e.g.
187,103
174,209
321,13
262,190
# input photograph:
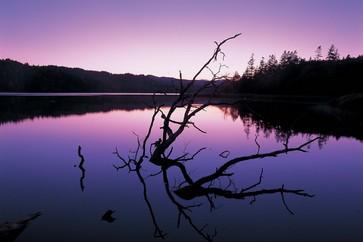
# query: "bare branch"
183,158
158,233
215,54
234,161
258,145
199,129
182,210
254,185
81,167
225,154
284,202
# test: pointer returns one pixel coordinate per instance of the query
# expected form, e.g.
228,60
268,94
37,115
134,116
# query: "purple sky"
162,37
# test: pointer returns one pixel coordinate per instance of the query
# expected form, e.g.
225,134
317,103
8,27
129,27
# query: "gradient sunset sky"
161,37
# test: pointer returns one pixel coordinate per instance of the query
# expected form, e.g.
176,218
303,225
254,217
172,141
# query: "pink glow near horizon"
162,38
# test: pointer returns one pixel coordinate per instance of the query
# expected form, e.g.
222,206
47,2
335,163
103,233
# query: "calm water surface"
38,155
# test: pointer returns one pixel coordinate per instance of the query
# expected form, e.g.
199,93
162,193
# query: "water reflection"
286,119
81,168
161,154
10,231
19,108
48,154
214,185
281,119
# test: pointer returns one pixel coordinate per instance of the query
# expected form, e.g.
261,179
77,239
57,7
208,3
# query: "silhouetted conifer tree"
250,70
318,53
289,57
272,63
236,76
332,53
262,67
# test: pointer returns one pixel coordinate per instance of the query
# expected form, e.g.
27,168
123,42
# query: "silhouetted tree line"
18,77
293,75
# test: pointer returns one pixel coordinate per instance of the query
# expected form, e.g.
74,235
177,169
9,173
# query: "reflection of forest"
18,108
284,119
270,118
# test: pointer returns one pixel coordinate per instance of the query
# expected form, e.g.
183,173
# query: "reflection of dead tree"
162,154
134,164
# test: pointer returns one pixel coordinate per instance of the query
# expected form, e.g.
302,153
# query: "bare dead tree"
160,153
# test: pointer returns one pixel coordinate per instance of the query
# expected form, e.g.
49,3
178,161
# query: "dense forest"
292,75
18,77
288,75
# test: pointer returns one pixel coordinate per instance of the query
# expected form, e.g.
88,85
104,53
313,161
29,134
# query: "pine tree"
236,76
272,63
262,67
250,70
284,58
318,53
332,53
294,58
289,57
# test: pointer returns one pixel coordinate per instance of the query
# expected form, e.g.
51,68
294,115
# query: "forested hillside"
18,77
292,75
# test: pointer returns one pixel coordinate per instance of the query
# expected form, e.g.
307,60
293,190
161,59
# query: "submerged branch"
81,167
234,161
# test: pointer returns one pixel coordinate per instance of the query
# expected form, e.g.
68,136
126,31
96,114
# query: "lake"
39,139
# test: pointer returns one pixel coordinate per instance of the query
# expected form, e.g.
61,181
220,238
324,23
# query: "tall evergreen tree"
318,53
332,53
289,57
262,67
236,76
284,58
250,70
272,63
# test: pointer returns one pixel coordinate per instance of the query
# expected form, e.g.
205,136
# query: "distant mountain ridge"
19,77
